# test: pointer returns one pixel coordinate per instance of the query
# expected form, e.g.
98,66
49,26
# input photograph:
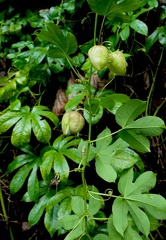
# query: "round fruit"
117,63
72,122
98,56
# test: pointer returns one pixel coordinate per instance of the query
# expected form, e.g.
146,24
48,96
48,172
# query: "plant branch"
154,75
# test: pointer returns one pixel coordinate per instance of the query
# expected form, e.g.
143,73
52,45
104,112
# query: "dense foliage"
70,114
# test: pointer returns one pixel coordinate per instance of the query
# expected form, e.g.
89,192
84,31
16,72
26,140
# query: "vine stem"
4,212
154,75
87,154
95,28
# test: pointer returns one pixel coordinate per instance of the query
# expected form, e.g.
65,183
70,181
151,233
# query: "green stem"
72,67
4,212
109,135
159,107
149,98
101,29
86,157
95,28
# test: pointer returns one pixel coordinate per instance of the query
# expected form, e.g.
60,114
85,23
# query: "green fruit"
98,56
117,63
72,122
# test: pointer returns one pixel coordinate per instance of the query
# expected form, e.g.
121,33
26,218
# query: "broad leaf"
7,120
129,111
20,177
21,160
138,202
38,209
51,221
66,44
123,159
61,195
75,101
101,236
22,132
103,139
41,128
136,141
148,126
33,184
94,204
140,27
47,164
120,209
112,10
105,170
77,204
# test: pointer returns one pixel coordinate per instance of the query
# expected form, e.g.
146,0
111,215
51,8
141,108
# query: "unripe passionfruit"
98,56
72,122
117,63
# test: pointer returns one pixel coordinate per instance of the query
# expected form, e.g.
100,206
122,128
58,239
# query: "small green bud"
72,122
117,63
98,56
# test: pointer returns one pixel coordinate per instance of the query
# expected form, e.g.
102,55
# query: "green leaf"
64,208
7,120
136,141
51,221
73,154
70,221
94,204
47,164
22,132
139,26
131,234
60,166
20,177
33,184
67,44
112,10
40,128
95,117
75,88
123,159
74,101
143,183
37,210
103,139
77,204
61,195
20,160
120,209
129,111
154,204
138,201
113,234
104,169
148,126
101,236
107,102
152,39
140,218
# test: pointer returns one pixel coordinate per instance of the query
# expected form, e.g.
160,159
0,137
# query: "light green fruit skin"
117,63
98,56
72,123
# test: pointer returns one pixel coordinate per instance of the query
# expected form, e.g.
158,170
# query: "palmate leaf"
65,45
114,10
129,111
26,163
136,200
26,121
